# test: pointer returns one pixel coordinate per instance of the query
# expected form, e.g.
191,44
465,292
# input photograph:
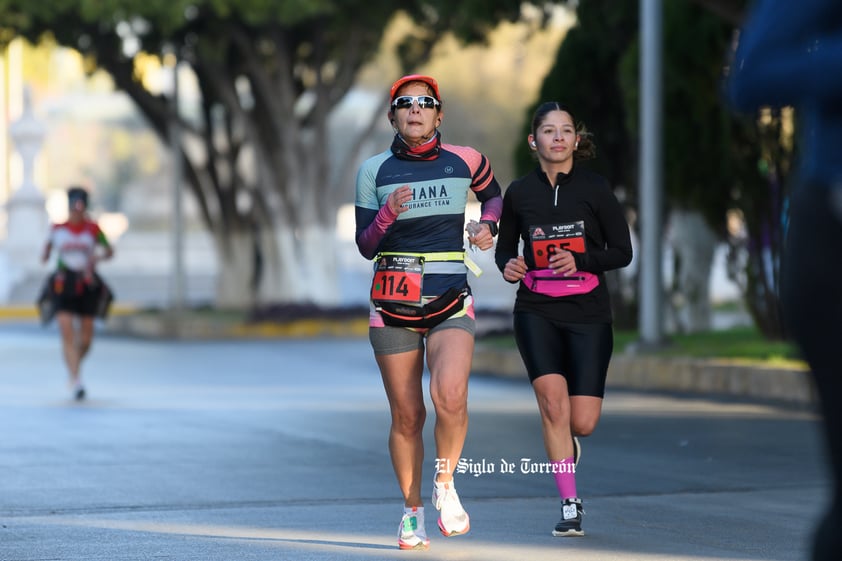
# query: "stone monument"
26,215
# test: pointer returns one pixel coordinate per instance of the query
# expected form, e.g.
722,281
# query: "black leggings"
578,351
811,299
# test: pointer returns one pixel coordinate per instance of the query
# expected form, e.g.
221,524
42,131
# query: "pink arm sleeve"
369,239
492,209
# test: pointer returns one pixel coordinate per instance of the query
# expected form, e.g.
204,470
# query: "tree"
257,153
766,151
698,159
720,165
762,151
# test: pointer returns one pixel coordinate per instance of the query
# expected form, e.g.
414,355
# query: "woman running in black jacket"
573,230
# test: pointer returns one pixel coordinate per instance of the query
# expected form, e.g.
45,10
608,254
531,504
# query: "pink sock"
564,472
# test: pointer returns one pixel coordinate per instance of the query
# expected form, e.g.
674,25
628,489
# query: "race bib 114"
398,278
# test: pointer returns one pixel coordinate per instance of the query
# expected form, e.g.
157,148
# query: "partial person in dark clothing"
791,55
573,230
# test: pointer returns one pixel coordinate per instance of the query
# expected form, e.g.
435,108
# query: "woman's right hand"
515,269
398,198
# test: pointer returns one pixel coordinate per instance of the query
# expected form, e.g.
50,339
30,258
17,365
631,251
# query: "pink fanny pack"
549,283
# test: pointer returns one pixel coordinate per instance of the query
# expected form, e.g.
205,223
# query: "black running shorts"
76,296
578,351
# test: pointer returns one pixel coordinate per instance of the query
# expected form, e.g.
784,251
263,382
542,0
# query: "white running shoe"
453,519
411,533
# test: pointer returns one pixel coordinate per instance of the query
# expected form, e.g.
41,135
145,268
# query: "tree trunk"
693,244
258,269
299,267
235,277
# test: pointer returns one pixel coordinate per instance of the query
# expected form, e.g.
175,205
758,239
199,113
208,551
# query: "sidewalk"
697,376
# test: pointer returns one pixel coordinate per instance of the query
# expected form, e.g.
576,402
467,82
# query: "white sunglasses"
423,101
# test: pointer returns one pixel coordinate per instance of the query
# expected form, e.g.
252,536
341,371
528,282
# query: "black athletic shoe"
577,452
80,393
570,524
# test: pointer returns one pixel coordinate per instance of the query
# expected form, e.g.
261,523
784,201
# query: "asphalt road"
259,450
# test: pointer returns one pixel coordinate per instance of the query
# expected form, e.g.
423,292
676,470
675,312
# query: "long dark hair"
586,148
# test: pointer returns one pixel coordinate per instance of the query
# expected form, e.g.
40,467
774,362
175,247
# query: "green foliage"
741,343
347,32
698,157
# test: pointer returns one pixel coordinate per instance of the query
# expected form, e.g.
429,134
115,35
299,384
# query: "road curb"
156,326
711,377
28,313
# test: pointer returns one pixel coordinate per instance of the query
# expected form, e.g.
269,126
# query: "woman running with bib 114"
410,214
